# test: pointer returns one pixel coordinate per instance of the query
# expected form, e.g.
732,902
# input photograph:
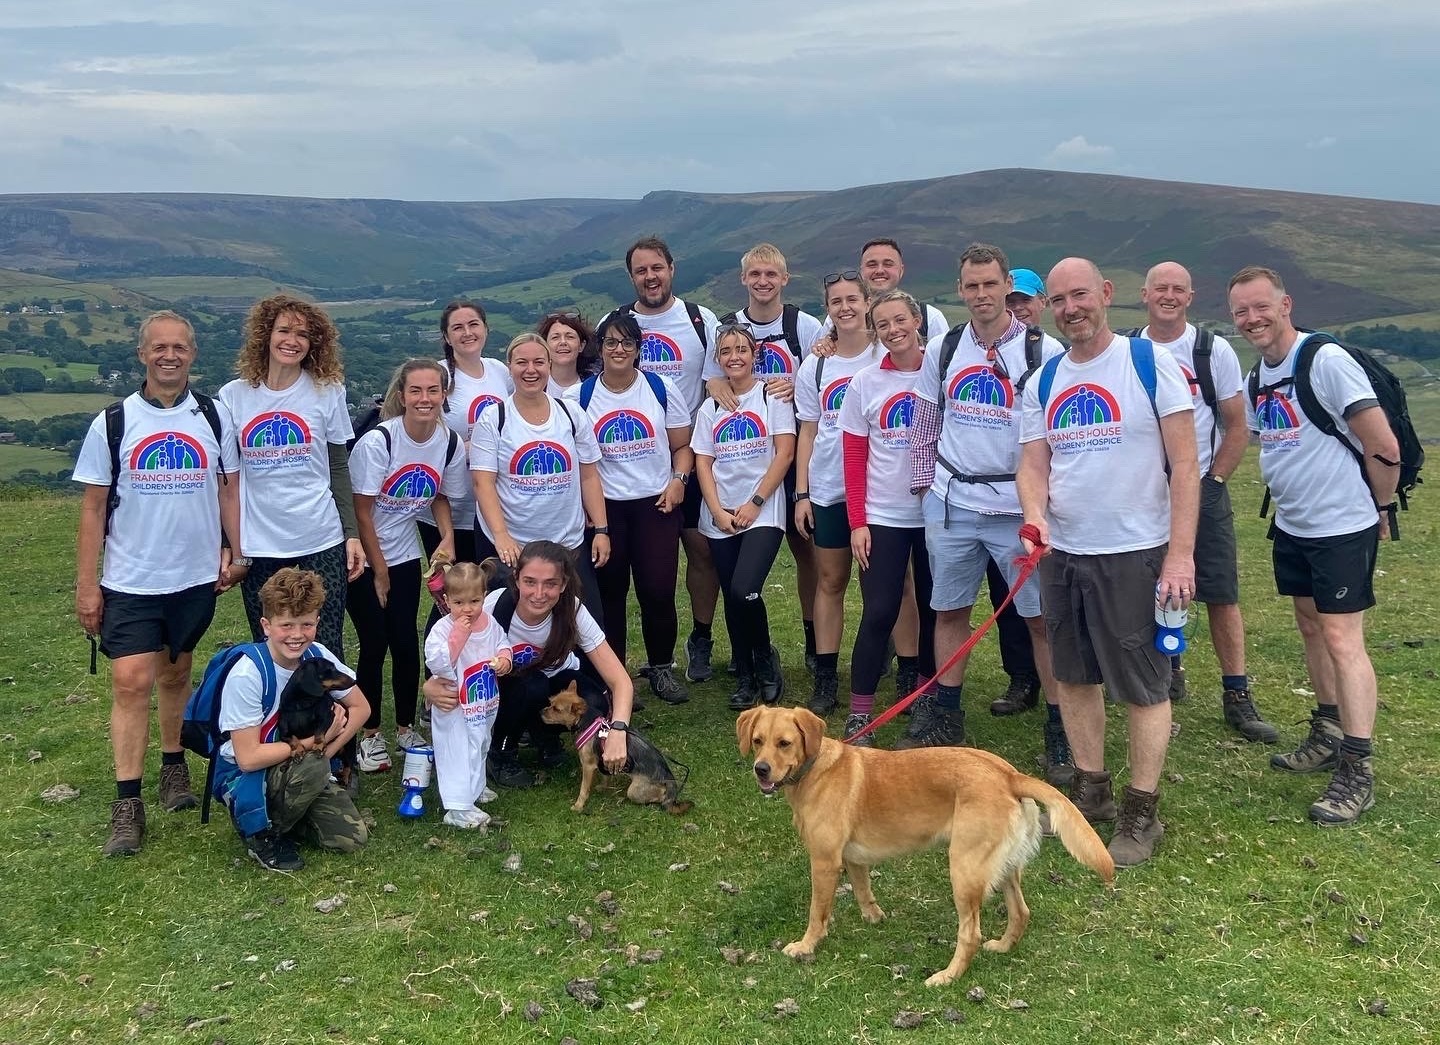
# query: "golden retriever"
854,807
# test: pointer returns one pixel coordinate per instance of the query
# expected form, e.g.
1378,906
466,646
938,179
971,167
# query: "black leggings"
330,565
882,587
742,563
646,542
391,629
524,694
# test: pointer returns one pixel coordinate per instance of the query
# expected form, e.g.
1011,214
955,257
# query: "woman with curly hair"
574,355
290,414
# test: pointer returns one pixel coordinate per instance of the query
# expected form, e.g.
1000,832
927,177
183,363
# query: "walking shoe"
505,770
273,851
906,680
933,726
1021,695
665,685
1178,692
374,756
1318,751
407,737
1351,792
1138,830
1059,763
746,695
487,796
856,722
769,676
127,827
1091,794
697,658
822,694
467,819
175,793
1242,716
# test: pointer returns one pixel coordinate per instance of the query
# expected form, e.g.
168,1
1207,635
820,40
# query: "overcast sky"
494,99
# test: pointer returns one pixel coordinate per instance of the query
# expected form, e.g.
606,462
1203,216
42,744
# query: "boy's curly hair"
292,592
322,361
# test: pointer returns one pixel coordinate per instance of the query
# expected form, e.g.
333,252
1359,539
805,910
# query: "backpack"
1203,352
452,446
789,326
366,419
1034,339
200,730
587,391
696,320
1389,393
115,432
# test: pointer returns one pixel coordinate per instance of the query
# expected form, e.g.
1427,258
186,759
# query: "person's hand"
860,546
382,585
354,558
441,694
745,516
508,549
502,663
89,607
600,549
1044,529
615,751
805,519
781,388
824,345
1177,581
671,497
722,393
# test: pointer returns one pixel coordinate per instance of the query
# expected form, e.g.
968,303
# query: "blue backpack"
587,390
200,731
1142,357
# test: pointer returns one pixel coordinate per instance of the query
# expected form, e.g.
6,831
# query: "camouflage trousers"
303,800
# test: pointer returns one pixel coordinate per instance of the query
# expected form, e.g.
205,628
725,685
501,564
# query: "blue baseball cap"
1027,282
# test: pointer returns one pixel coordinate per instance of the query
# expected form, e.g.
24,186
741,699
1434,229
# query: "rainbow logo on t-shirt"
657,348
479,691
523,654
478,404
772,360
1275,412
898,412
982,385
168,452
1080,406
413,482
280,428
623,426
739,427
541,457
833,397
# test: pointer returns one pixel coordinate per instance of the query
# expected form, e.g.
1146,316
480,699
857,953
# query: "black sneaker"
1242,716
1059,762
506,771
933,726
1021,695
273,851
746,695
855,722
697,658
666,686
822,695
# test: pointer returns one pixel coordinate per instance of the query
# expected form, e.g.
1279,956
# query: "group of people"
878,438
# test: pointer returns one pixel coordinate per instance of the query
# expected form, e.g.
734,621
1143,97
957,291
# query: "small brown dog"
651,781
854,807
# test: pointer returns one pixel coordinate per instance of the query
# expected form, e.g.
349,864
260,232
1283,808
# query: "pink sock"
861,703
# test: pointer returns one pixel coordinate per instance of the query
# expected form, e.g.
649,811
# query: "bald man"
1098,426
1213,371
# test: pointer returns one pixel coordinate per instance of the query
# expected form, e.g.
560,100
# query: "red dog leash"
1027,564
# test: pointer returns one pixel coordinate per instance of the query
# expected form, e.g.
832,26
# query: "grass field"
77,371
1249,925
15,458
35,405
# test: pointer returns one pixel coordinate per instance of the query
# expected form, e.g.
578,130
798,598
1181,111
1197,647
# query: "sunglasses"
731,328
849,275
997,362
566,313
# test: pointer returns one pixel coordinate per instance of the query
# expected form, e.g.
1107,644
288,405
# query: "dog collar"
598,728
799,774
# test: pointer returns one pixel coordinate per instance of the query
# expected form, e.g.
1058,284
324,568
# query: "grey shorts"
1217,575
960,553
1100,617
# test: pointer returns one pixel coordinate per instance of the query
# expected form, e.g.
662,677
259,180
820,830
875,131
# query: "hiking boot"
906,681
1351,792
857,722
822,694
1022,695
407,737
273,851
1091,794
127,827
1058,762
746,695
1138,829
175,793
374,756
1243,718
697,658
665,685
933,726
1318,751
504,770
769,676
1178,692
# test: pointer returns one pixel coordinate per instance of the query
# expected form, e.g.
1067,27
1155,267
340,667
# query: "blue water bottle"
1170,620
416,779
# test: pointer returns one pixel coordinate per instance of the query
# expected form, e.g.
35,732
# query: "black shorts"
133,624
832,526
693,500
1337,572
1217,575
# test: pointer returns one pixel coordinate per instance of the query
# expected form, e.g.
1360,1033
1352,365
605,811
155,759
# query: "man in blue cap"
1027,297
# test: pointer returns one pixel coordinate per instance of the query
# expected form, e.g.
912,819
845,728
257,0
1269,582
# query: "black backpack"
1204,372
1389,394
789,326
452,446
500,417
115,432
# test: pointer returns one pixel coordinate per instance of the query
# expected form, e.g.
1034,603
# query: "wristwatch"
684,477
241,560
801,495
620,724
758,501
600,531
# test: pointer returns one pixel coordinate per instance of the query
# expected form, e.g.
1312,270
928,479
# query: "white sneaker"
374,756
467,819
406,737
487,796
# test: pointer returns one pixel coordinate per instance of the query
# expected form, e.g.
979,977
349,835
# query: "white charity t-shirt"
405,481
820,390
741,442
773,358
242,699
1108,489
537,470
980,433
469,396
1229,382
527,641
880,407
165,534
672,348
477,684
286,506
1318,489
632,431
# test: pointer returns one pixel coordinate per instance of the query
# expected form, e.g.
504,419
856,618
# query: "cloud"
1079,150
1327,142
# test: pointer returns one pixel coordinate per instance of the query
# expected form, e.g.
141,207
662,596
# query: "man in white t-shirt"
1213,371
1101,424
882,267
1326,531
159,516
1027,297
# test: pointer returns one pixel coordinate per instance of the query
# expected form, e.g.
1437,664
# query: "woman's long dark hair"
450,310
564,629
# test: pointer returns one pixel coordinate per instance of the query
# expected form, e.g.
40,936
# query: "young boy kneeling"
276,788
